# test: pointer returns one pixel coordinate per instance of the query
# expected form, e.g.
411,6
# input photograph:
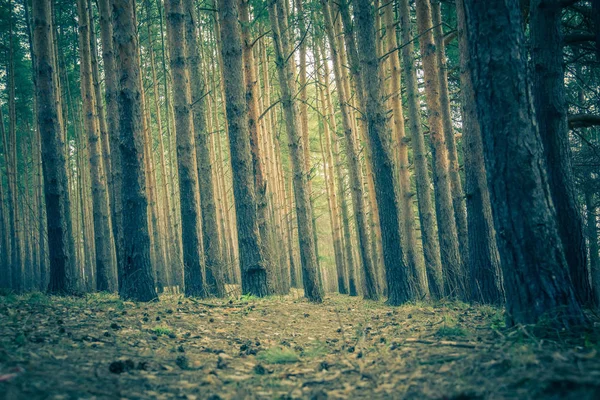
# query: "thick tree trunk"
592,236
308,257
484,260
106,273
136,279
56,185
447,233
535,269
551,111
397,274
251,251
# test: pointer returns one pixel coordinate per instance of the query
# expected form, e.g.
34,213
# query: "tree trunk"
535,269
551,112
56,185
251,251
312,289
106,274
136,281
458,196
186,151
112,120
484,260
354,168
592,236
214,264
397,274
447,233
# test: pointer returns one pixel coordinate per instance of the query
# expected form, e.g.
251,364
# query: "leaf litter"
99,347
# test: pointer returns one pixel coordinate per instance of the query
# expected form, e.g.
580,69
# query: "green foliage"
278,355
162,330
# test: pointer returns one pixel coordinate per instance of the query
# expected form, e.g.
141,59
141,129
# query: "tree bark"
136,281
251,251
61,244
484,260
447,232
535,270
397,274
551,111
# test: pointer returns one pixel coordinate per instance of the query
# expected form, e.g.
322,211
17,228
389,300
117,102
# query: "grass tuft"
162,330
278,355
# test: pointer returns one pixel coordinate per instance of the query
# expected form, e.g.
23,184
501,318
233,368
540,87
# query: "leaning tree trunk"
312,289
535,269
106,273
251,251
484,260
61,244
136,279
210,228
551,111
397,274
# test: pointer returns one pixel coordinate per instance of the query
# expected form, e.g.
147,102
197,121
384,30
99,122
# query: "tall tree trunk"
551,112
112,120
484,260
312,289
409,240
354,168
332,193
214,264
61,244
136,280
397,274
186,152
9,228
447,233
251,251
535,269
106,274
458,196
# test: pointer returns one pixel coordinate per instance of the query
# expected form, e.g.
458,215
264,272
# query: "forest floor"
99,347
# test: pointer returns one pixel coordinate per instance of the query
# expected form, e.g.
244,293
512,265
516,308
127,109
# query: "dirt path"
99,347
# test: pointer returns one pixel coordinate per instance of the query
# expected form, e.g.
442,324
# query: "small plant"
37,298
162,331
278,355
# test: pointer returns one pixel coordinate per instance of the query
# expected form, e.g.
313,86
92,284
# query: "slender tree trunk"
484,260
112,120
354,168
413,256
458,196
251,250
214,264
8,239
137,282
106,273
397,274
186,152
551,112
56,184
447,233
535,269
312,289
